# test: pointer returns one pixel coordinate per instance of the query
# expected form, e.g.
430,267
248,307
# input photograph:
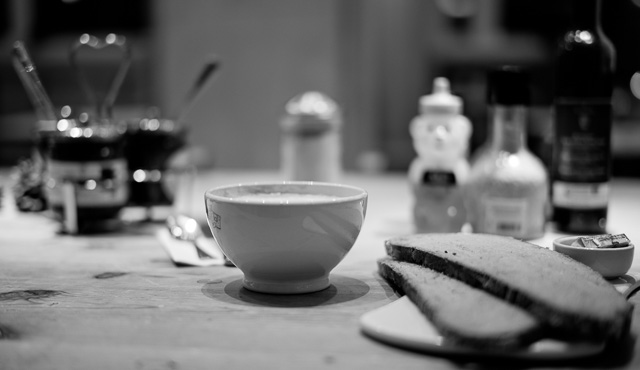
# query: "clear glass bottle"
507,188
581,165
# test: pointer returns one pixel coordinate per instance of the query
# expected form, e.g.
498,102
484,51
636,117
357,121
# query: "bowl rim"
559,242
361,193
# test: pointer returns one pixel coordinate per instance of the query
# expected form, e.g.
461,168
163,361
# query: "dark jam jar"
86,175
150,143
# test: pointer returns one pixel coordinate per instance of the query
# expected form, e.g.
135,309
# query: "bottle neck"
586,15
508,128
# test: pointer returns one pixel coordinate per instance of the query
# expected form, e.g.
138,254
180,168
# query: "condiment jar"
507,190
440,138
87,175
150,144
311,148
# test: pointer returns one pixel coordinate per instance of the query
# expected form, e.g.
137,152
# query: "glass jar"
86,180
440,135
150,143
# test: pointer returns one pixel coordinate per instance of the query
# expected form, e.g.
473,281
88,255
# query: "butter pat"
602,241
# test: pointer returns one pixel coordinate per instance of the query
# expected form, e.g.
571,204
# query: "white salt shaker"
311,148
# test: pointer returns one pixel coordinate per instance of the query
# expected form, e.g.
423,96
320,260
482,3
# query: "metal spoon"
26,70
183,227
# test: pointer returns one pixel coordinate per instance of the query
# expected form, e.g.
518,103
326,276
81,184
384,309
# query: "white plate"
401,323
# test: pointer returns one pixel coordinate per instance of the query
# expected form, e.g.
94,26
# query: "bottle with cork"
440,136
581,165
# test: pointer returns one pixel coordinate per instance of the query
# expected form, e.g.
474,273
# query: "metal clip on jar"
311,145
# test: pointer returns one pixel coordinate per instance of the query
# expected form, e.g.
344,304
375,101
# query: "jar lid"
311,112
441,100
312,103
152,125
93,130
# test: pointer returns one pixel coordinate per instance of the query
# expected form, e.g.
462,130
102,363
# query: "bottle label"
439,178
96,183
583,141
505,216
580,195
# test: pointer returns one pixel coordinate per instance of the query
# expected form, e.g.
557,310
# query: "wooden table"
115,301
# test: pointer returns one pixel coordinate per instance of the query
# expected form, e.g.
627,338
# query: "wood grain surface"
116,301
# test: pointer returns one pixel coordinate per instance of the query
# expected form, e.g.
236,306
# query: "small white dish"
401,324
609,262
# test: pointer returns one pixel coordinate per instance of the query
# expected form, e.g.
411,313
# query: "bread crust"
462,314
575,302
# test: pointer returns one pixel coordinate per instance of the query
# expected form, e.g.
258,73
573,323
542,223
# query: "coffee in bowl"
284,198
286,237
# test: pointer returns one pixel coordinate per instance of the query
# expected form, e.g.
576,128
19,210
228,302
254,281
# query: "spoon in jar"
26,70
200,85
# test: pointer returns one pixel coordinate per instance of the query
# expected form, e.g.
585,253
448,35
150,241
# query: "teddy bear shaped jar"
437,175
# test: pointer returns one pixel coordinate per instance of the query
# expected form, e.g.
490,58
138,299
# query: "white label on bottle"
505,216
70,208
581,195
97,183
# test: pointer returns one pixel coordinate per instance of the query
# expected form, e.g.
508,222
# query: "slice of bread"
462,314
567,296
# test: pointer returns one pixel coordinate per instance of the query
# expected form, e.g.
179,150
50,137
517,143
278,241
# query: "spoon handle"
27,72
199,87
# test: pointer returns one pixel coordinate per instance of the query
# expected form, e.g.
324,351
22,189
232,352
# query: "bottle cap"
508,85
312,103
311,112
441,100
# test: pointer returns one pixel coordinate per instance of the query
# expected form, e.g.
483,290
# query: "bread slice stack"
490,291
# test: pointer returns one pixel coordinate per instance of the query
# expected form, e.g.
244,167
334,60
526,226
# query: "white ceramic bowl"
286,237
609,262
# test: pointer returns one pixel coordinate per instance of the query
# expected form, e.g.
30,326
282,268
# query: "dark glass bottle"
581,166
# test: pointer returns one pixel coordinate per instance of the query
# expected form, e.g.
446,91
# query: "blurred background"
374,57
